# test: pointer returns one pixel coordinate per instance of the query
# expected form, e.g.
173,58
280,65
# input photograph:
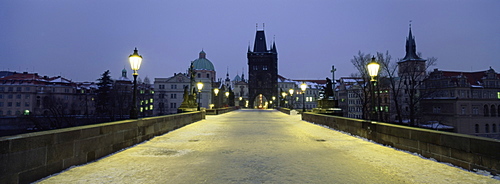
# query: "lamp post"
135,63
303,87
291,100
274,99
240,101
283,94
216,92
200,86
227,97
373,68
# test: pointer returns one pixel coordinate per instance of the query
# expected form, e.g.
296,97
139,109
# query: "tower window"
255,68
264,67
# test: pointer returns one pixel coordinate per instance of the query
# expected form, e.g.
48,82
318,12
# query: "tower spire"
411,47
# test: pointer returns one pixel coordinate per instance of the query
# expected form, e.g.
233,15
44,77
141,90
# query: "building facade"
469,102
169,91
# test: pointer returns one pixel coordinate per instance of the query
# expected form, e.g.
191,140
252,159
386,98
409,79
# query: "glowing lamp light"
227,94
290,91
303,87
200,86
135,61
373,68
216,91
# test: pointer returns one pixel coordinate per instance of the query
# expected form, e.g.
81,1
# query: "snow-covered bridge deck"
262,146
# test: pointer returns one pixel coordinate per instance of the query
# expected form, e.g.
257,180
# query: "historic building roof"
411,49
202,63
472,78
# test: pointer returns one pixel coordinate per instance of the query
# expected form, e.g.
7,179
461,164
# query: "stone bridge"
247,146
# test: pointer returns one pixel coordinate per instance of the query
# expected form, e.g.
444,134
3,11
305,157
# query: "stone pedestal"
328,106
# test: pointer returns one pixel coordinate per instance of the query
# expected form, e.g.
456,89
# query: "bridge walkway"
262,146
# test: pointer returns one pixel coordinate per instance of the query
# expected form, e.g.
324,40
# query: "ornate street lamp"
373,68
227,97
283,94
200,86
291,100
135,63
216,92
303,87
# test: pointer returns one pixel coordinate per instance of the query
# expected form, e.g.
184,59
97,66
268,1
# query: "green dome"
202,63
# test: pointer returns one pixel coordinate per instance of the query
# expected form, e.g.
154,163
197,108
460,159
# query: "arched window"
493,111
199,75
476,127
494,128
208,75
486,112
498,109
487,128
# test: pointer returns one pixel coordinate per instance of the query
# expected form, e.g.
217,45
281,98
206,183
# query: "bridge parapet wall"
220,110
468,152
284,110
28,157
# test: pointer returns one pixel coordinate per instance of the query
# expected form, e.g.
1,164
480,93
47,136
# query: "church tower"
411,63
262,71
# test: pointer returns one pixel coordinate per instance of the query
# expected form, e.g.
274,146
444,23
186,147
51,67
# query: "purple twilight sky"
80,39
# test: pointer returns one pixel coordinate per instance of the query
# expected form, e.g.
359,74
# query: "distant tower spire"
411,47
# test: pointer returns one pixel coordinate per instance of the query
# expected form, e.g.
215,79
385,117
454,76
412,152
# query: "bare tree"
360,61
389,69
411,74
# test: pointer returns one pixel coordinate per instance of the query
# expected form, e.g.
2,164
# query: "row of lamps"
136,60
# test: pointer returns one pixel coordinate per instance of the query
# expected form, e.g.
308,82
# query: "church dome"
237,78
202,63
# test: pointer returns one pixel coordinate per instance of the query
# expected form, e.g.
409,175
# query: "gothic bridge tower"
262,71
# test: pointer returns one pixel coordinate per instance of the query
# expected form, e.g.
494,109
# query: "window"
463,110
199,75
161,86
26,104
27,89
476,128
18,89
10,90
486,112
436,109
10,96
494,128
18,96
493,111
173,95
173,105
18,104
9,104
1,104
255,68
208,75
475,110
487,128
173,86
264,67
1,96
